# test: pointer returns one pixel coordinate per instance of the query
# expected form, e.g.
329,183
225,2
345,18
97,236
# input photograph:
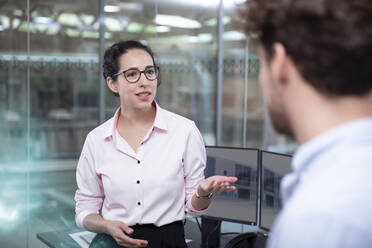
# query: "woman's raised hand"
216,184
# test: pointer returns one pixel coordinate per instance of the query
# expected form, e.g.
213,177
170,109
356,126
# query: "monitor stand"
211,230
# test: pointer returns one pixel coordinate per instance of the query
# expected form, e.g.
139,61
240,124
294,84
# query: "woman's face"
141,94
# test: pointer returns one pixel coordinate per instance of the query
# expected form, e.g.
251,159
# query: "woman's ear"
113,86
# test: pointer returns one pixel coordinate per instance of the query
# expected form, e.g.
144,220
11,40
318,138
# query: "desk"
61,239
58,239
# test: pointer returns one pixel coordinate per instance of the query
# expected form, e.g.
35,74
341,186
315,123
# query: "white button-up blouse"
153,185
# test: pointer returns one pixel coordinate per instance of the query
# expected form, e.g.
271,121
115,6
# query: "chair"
244,240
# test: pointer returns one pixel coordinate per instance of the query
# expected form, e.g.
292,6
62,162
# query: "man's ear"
279,63
112,85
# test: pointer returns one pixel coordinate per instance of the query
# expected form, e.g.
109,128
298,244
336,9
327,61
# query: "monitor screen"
239,205
273,167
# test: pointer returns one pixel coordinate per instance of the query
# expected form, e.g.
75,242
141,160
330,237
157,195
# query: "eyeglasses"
133,75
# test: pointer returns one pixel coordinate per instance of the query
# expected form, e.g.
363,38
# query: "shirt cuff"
81,216
192,212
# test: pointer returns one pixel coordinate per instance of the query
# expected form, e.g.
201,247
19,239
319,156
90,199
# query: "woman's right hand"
118,230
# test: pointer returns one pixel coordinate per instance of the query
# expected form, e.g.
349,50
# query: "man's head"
328,42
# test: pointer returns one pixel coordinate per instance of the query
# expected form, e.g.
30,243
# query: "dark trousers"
167,236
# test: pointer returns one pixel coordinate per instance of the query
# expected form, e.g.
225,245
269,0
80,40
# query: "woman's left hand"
216,184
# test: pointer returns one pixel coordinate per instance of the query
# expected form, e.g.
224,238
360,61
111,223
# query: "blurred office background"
52,92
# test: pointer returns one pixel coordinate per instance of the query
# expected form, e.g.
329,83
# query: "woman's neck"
135,117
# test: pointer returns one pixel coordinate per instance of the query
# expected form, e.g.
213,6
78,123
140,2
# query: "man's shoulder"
344,189
341,200
319,229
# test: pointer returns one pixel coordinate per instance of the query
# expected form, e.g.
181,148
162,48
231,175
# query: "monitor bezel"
259,215
247,222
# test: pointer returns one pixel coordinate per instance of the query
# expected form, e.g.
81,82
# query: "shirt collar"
160,122
110,130
160,118
353,131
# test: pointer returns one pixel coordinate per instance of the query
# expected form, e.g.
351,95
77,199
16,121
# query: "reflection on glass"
243,173
38,182
274,167
268,180
13,125
240,85
239,163
210,167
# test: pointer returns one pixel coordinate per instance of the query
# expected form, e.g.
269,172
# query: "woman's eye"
132,74
150,71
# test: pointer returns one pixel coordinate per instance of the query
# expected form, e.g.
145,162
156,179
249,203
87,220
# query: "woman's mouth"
144,96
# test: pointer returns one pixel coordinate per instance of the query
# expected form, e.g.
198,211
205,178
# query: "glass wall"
14,126
51,92
183,35
242,111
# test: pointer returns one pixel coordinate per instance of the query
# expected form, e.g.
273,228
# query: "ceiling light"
151,29
134,27
193,39
43,20
5,22
205,37
204,3
234,35
162,29
17,12
85,34
69,19
72,32
226,20
237,2
176,21
211,22
131,7
87,19
113,24
212,3
112,8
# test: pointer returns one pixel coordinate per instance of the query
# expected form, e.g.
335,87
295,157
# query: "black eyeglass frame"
140,72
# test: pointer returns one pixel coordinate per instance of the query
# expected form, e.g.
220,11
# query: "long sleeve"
194,164
89,194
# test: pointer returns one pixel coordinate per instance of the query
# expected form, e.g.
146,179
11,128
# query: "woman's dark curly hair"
113,53
330,41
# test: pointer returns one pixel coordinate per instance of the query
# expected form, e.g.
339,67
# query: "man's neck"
323,114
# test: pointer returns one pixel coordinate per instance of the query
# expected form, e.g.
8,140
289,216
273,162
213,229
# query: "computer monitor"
239,205
273,167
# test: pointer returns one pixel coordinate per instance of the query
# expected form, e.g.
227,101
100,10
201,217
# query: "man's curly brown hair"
330,41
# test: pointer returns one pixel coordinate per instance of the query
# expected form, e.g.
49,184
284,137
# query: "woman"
141,170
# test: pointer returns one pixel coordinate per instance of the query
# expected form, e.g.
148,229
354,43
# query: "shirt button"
138,162
138,181
138,203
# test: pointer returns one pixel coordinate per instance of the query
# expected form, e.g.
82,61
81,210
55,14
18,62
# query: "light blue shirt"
328,196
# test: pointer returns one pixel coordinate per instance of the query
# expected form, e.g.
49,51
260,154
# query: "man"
316,75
